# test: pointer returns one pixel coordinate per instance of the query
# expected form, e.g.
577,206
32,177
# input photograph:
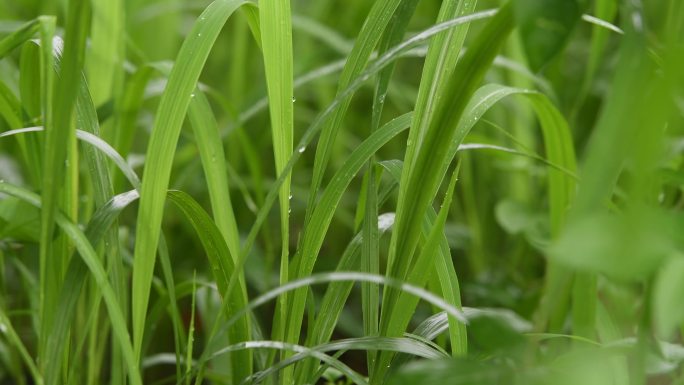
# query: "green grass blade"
19,37
58,188
168,122
443,52
222,267
369,36
276,44
312,239
425,174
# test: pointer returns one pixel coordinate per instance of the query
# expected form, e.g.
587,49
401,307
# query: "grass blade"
169,118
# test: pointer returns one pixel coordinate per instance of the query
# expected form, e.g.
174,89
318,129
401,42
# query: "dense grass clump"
367,192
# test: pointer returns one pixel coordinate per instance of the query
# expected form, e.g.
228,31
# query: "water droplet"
192,95
290,197
294,99
289,211
382,99
301,149
199,34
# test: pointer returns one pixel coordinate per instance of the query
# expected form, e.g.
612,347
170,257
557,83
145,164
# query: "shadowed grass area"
369,192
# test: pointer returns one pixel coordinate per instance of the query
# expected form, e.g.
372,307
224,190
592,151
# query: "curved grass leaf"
168,122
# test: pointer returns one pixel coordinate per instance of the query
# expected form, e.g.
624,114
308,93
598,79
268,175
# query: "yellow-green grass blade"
604,10
90,258
213,162
276,43
169,119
